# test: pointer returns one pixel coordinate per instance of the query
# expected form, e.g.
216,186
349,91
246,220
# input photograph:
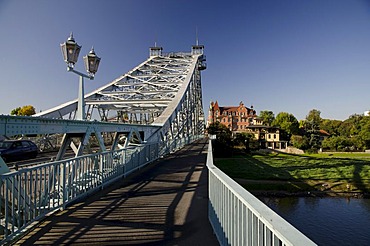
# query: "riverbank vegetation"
320,174
315,133
328,173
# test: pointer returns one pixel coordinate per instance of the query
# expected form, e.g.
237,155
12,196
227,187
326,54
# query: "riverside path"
165,203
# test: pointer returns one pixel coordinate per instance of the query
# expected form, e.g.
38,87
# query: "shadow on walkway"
165,203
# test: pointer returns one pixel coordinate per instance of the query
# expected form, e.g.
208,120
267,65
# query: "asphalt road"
166,203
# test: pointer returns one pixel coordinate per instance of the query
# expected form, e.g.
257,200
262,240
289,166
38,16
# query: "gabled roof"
231,109
215,106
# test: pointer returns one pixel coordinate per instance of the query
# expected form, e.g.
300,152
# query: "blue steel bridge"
152,179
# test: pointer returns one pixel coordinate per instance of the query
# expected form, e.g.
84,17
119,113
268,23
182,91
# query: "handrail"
31,193
239,218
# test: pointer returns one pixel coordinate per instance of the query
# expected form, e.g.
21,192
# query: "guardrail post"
64,184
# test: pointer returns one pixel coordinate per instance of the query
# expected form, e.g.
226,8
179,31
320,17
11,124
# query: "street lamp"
70,51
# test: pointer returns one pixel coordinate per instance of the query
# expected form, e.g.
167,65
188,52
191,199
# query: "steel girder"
164,90
139,96
161,98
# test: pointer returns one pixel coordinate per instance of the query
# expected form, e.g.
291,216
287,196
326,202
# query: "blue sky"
284,56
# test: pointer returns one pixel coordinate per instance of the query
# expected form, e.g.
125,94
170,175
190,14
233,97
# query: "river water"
326,221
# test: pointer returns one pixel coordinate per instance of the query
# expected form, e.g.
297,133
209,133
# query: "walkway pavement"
166,203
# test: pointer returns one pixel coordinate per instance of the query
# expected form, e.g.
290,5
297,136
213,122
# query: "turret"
155,51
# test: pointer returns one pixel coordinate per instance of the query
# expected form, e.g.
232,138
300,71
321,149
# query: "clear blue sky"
287,55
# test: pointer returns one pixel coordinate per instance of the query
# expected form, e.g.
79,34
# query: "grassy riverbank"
321,174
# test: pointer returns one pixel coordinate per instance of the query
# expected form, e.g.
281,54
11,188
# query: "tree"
223,144
302,124
312,127
27,110
364,133
24,111
218,128
300,142
267,116
352,134
247,140
337,143
313,120
15,111
345,129
331,126
286,122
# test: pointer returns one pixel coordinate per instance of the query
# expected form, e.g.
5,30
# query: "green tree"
223,145
345,129
302,124
267,116
353,133
287,122
337,143
15,111
364,132
27,110
312,127
300,142
24,111
331,126
313,120
247,140
218,128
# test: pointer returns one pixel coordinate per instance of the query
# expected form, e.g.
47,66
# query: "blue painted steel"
29,194
239,218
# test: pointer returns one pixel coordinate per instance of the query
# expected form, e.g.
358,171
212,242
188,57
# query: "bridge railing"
239,218
30,193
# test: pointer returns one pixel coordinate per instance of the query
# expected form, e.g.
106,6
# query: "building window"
274,136
269,136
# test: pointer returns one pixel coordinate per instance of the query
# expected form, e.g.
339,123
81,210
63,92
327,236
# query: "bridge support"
3,167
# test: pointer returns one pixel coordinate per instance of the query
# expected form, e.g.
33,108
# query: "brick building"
236,118
243,119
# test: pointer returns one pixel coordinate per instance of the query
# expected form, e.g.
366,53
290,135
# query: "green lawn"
302,172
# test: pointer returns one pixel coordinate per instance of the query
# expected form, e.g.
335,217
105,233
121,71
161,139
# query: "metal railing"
239,218
29,194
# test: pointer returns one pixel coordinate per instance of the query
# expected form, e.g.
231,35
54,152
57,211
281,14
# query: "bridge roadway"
165,203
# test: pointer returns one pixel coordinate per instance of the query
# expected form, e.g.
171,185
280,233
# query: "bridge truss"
163,93
151,111
164,87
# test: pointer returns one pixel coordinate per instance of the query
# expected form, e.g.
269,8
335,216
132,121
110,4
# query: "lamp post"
70,51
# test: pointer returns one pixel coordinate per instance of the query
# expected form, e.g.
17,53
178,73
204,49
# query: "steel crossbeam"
164,91
141,95
160,100
23,125
149,112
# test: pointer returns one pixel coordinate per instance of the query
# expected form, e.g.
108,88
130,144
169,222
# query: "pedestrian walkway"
165,203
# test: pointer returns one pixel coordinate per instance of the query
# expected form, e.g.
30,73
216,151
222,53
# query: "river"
326,221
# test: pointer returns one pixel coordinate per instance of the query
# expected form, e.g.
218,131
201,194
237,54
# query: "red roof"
323,132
